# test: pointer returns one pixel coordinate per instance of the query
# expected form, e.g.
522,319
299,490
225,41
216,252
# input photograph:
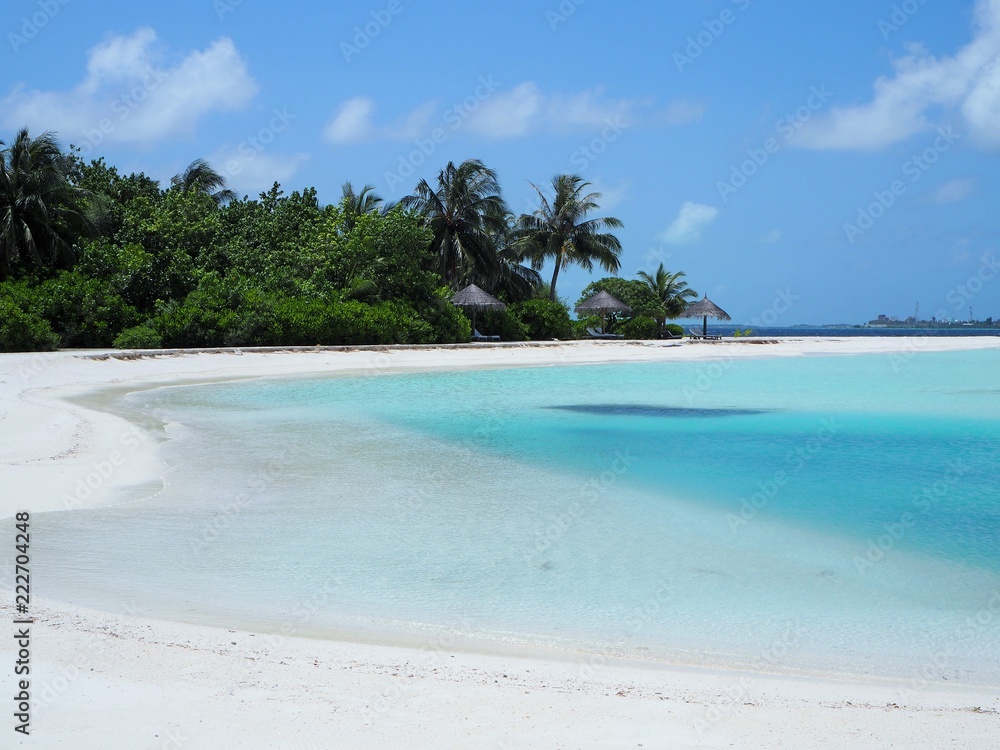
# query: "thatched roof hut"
602,303
475,299
705,309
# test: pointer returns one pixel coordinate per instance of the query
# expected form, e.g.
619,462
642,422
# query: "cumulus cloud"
352,122
953,191
692,220
250,171
923,90
127,95
526,109
514,113
682,112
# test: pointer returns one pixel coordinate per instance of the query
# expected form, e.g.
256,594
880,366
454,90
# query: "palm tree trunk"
555,277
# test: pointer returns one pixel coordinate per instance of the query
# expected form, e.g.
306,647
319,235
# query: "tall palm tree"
515,281
42,213
465,212
560,231
355,204
201,178
672,291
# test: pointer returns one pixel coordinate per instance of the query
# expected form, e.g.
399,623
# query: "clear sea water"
809,514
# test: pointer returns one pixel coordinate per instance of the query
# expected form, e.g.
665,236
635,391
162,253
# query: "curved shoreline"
378,694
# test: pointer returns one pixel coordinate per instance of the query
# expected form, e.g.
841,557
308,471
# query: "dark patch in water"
667,412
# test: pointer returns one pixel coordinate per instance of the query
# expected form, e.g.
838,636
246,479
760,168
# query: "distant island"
885,321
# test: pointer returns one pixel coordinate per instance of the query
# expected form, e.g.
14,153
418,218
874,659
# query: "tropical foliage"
42,213
90,257
559,230
672,291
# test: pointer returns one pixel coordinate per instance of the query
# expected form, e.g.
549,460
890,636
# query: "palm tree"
42,213
465,213
201,178
355,204
560,231
515,281
672,291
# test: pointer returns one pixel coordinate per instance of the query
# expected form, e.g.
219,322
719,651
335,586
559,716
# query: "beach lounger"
477,336
695,335
597,333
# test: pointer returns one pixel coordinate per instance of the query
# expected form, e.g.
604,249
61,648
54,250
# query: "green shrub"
543,319
22,331
580,326
673,328
85,312
638,327
500,323
138,337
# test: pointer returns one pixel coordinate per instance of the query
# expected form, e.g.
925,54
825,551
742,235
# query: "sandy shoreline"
119,681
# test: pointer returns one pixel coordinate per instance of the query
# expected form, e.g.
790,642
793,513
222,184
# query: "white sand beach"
103,680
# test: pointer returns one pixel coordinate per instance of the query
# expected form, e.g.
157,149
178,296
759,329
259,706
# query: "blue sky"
801,162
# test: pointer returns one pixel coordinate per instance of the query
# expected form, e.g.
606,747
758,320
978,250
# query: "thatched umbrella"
705,309
473,298
602,303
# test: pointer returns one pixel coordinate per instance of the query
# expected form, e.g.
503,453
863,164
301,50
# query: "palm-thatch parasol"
602,303
473,298
705,309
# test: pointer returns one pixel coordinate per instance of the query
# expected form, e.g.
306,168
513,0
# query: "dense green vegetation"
93,258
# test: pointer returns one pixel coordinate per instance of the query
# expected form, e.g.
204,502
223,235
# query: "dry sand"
103,680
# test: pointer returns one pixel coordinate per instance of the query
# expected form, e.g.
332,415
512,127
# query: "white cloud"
923,89
771,238
953,191
526,109
514,113
249,171
127,96
682,112
692,220
352,122
610,196
509,114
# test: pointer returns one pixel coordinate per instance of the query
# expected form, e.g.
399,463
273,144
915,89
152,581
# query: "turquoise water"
819,514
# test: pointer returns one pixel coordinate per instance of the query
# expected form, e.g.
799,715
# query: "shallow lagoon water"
818,514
